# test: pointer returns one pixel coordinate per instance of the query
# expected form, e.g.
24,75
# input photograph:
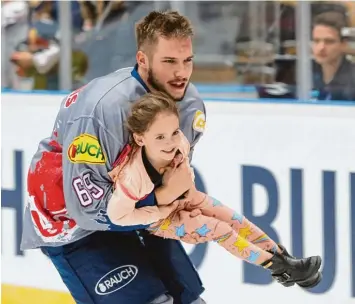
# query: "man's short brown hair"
333,20
169,24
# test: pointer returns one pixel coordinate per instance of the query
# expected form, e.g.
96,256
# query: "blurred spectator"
34,56
36,59
333,74
49,10
88,13
91,11
14,27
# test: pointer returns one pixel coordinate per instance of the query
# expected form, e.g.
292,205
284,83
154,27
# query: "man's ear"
142,60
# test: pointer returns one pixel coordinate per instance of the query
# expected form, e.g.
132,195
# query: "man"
333,74
69,185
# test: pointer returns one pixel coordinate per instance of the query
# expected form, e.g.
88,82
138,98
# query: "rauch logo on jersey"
116,279
86,149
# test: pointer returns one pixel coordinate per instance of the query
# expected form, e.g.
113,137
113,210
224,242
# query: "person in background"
92,11
36,59
333,73
14,28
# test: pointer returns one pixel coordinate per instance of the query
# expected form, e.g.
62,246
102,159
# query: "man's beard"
156,85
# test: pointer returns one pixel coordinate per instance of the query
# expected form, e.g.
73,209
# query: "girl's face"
161,140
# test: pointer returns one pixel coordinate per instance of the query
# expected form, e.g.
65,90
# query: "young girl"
156,145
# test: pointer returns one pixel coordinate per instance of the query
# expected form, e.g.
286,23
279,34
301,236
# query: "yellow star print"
241,243
244,232
165,224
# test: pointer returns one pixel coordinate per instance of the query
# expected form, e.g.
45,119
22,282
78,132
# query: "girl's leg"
211,207
201,228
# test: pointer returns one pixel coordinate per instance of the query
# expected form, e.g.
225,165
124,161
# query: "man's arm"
122,209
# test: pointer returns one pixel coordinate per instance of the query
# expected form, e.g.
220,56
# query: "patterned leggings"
209,220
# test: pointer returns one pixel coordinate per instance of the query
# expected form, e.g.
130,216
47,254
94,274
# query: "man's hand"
176,181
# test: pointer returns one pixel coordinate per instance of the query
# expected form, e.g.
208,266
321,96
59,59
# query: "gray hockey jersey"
68,182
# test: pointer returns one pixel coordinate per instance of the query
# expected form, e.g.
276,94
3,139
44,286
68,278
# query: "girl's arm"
121,208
